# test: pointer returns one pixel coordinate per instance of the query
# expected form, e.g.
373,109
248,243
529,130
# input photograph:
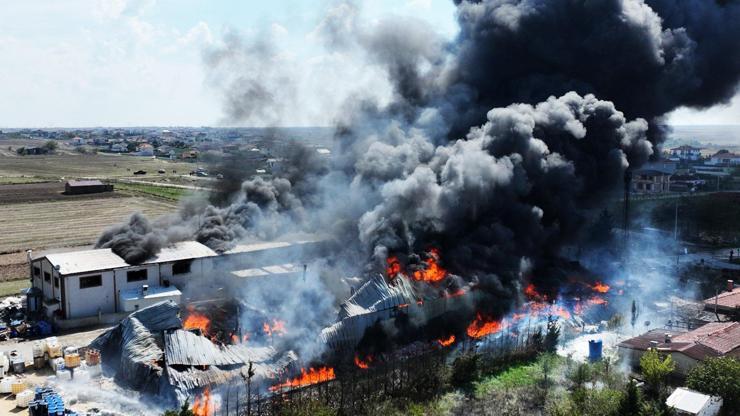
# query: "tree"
536,340
633,320
552,335
655,368
580,375
184,411
631,402
718,377
50,146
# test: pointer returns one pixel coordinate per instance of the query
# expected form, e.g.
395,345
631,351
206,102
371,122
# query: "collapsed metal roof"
151,352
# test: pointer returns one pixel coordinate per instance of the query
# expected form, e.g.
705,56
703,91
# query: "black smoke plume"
495,147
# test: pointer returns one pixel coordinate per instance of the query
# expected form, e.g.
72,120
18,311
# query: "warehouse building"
94,282
86,187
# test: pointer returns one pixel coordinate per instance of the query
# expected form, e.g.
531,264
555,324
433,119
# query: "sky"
87,63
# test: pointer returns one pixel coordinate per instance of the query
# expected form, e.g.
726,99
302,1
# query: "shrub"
718,377
655,368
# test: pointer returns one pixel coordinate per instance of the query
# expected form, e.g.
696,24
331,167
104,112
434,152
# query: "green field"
13,287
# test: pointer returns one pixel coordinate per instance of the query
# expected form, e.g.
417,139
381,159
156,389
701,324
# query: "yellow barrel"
17,387
72,360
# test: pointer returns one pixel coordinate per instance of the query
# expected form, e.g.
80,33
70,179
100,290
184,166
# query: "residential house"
688,349
686,153
650,181
724,158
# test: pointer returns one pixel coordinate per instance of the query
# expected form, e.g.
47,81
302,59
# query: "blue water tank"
594,350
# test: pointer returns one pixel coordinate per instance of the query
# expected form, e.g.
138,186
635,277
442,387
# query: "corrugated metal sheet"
287,269
182,251
104,259
86,261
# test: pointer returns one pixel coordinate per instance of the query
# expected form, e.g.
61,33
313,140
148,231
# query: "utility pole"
675,223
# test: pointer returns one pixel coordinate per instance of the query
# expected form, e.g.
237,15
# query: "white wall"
199,269
81,303
123,284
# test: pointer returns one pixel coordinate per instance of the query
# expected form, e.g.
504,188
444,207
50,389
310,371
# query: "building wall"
81,303
87,302
199,269
684,363
122,282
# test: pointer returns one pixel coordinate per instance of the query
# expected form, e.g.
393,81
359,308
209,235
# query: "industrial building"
92,283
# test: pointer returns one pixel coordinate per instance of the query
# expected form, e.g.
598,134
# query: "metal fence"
399,374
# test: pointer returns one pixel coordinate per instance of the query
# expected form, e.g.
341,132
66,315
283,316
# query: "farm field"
87,166
68,223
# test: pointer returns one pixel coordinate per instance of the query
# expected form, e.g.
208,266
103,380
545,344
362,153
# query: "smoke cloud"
495,146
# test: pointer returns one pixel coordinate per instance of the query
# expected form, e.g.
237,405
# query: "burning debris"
151,351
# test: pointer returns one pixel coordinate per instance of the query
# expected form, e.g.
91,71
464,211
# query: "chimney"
654,345
667,338
730,285
144,290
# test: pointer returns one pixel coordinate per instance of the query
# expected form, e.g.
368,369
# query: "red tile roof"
725,300
711,340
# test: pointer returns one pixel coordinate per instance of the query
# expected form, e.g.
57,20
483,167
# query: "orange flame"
277,328
363,364
600,287
481,327
446,342
530,291
204,405
560,311
312,376
197,320
597,300
394,267
433,271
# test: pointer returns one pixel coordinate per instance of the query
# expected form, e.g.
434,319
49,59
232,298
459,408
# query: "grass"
13,287
15,180
519,375
166,192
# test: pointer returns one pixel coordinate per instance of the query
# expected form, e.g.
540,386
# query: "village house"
651,181
726,303
688,349
686,153
724,158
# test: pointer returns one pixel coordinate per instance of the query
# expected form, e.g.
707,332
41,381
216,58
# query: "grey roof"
84,183
271,245
287,269
182,251
85,261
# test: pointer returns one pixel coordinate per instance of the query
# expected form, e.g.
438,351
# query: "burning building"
154,351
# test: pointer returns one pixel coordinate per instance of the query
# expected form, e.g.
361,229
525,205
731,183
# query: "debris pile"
151,352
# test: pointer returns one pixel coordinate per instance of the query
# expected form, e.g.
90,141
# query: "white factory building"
86,285
89,283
